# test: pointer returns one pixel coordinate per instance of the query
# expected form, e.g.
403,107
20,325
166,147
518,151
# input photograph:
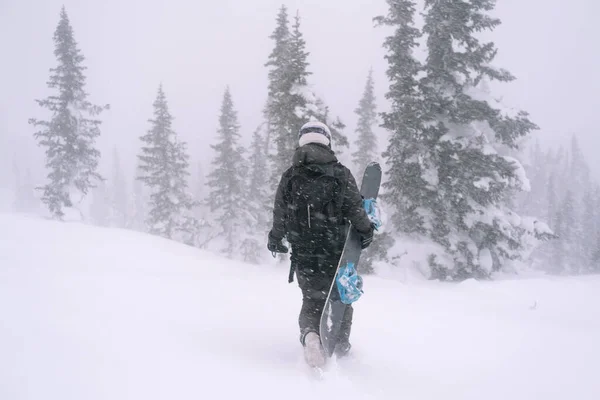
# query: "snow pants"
315,274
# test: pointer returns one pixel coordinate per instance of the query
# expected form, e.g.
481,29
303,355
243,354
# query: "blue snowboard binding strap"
349,284
373,212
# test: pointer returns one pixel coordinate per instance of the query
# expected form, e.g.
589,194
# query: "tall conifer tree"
227,183
69,137
451,159
305,103
291,101
470,134
164,170
277,111
407,188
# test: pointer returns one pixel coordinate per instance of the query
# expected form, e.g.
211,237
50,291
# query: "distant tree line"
453,156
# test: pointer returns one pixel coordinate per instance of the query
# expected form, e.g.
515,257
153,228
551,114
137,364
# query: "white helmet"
314,132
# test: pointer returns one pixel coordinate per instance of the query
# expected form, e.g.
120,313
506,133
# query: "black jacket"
315,155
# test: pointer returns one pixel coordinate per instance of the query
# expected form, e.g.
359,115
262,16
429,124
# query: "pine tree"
338,138
404,171
277,111
69,136
306,104
164,170
366,142
451,160
407,188
119,201
475,142
291,102
298,68
227,183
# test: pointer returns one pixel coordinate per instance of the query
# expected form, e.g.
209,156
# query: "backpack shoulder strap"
343,191
293,171
343,180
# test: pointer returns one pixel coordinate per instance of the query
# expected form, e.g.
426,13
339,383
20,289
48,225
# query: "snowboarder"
316,198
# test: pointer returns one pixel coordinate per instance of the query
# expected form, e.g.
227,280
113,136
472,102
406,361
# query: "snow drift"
92,313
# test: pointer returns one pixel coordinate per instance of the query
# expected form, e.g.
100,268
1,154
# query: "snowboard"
333,312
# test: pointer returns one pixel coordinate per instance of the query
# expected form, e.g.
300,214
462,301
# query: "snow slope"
91,313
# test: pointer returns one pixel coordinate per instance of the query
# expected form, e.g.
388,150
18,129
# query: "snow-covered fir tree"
473,143
451,159
409,186
119,198
278,110
164,170
291,101
307,105
405,168
365,141
69,136
227,183
316,109
298,56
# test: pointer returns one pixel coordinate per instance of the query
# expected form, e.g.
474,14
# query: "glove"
367,238
373,212
275,245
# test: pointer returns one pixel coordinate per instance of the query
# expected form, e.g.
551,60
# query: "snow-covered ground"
91,313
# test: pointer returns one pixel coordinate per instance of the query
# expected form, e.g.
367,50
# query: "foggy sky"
196,48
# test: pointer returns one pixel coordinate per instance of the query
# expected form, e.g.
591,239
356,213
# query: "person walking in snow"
316,200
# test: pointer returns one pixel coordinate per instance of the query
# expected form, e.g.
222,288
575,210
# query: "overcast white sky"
197,47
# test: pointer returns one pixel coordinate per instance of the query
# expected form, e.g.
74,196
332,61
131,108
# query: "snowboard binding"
372,209
349,284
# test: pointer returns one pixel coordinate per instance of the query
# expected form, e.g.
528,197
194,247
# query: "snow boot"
313,351
342,349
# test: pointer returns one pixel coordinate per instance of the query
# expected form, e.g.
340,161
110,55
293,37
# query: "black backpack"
315,206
